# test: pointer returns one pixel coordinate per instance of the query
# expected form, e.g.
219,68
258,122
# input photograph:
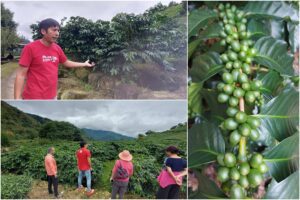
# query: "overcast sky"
29,12
125,117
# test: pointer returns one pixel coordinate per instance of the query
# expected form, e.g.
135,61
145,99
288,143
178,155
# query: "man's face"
51,34
86,145
53,151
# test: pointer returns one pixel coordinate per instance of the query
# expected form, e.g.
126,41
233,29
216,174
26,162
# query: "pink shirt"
50,165
42,63
128,166
164,179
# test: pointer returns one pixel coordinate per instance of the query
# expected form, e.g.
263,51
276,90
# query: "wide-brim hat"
125,155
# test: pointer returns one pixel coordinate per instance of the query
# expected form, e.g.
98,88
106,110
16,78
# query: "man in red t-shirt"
84,165
39,65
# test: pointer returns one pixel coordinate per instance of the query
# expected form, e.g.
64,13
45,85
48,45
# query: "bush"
14,186
60,130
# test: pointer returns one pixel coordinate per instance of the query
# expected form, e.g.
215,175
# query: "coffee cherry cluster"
244,170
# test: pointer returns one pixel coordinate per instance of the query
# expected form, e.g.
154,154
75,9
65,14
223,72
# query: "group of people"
169,179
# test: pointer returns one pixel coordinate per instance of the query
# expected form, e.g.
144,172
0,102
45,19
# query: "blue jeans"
87,174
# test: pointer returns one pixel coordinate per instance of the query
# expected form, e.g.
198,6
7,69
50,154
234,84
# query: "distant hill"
105,135
16,124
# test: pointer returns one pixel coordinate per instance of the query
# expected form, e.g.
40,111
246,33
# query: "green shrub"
14,186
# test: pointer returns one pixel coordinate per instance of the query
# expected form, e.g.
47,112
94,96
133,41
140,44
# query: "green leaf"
271,81
205,143
216,110
286,189
193,46
207,189
257,28
199,19
205,66
273,54
283,159
293,36
194,101
279,117
213,31
271,9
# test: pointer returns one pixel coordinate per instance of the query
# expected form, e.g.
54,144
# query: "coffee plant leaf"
280,116
206,189
205,66
271,9
198,19
273,54
205,143
283,159
286,189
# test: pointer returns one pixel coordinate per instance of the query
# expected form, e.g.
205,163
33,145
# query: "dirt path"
40,191
8,75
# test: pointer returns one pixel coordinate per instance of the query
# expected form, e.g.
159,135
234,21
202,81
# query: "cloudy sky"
29,12
125,117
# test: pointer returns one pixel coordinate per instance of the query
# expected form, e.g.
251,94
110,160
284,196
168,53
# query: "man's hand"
88,64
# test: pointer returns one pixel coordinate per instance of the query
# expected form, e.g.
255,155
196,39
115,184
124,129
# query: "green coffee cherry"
241,117
255,178
237,192
229,160
256,160
234,138
230,124
223,174
243,169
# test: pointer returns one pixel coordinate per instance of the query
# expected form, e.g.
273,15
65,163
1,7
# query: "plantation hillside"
22,160
19,125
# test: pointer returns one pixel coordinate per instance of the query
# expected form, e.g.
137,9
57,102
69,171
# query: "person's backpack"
121,172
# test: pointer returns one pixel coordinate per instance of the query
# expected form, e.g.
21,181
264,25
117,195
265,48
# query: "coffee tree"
127,39
243,99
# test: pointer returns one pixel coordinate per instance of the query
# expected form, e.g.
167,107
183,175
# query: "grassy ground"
104,181
8,68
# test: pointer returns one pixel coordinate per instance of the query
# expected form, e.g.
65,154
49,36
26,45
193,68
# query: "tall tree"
9,37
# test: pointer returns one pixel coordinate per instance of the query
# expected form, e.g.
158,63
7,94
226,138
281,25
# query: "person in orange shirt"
51,169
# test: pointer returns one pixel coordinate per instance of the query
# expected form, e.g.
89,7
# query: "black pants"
118,187
52,180
169,192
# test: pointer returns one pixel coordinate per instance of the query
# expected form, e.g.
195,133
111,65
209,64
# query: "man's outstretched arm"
19,82
72,64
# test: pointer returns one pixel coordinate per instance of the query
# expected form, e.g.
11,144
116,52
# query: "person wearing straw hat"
122,171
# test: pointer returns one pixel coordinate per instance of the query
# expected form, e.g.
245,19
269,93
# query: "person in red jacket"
122,171
84,165
38,64
51,169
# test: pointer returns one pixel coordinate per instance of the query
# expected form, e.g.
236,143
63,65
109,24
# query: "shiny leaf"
273,54
199,19
280,116
205,143
286,189
205,66
283,159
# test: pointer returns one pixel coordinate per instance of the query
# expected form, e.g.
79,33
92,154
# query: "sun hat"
125,155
